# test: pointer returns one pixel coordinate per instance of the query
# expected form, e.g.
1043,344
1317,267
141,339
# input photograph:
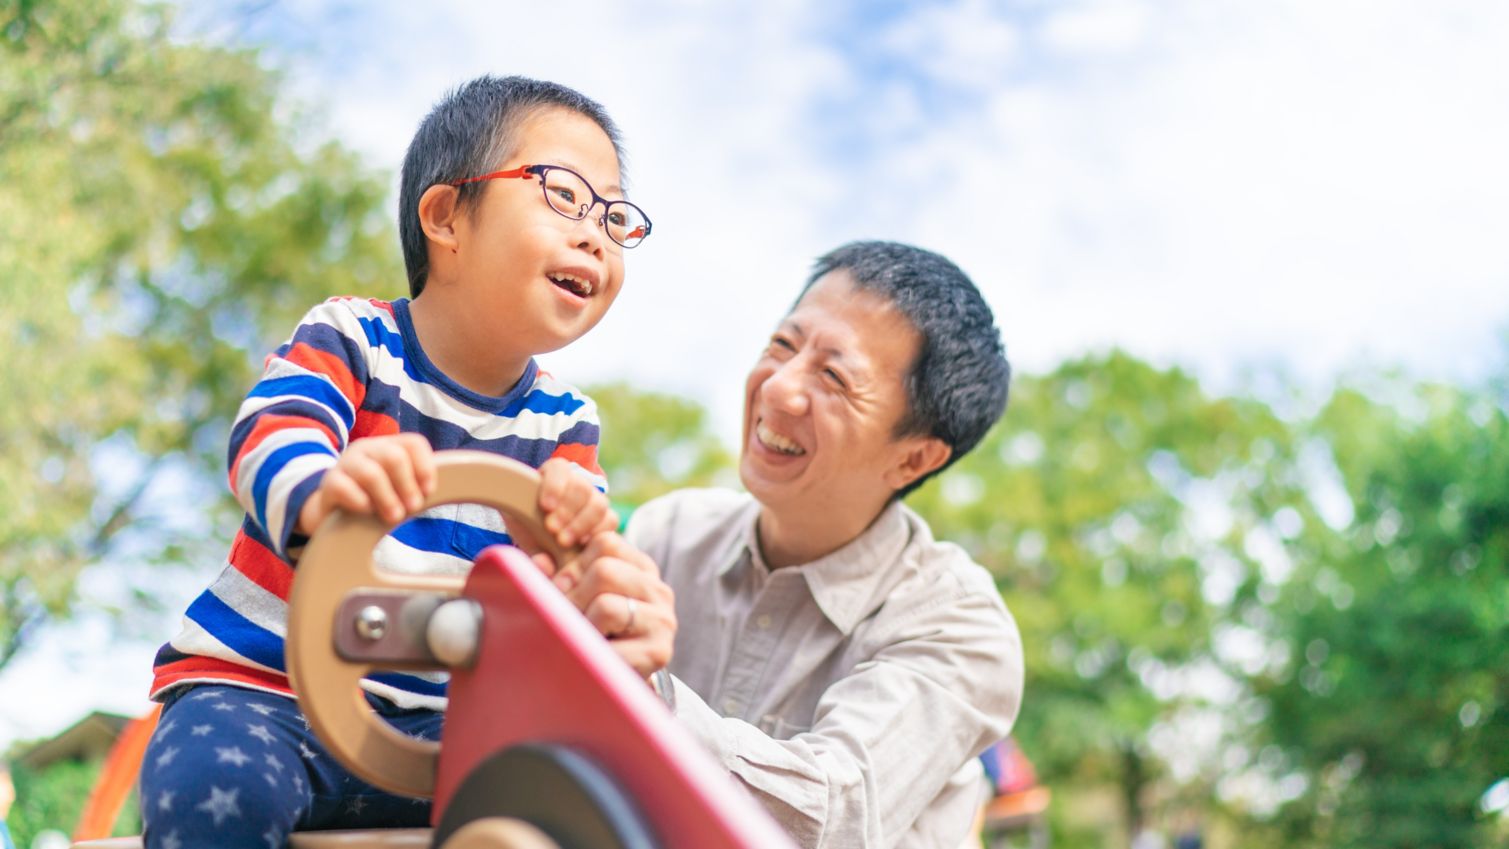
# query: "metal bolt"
371,623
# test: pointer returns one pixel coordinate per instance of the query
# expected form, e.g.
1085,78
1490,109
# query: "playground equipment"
550,742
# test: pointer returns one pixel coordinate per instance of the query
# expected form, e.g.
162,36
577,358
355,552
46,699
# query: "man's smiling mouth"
776,442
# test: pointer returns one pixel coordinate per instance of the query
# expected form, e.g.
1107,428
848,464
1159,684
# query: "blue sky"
1307,188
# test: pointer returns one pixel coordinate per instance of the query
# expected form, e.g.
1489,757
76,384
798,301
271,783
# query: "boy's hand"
389,476
575,511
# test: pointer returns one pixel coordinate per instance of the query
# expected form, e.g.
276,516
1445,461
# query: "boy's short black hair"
470,132
958,386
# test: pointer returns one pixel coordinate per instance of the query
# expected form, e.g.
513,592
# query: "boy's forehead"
566,138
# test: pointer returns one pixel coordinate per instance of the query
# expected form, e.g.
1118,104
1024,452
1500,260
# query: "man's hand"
621,594
389,476
575,511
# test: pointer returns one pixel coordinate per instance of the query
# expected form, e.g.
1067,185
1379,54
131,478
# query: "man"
839,662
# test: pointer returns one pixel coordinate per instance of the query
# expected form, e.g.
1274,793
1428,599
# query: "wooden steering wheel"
381,616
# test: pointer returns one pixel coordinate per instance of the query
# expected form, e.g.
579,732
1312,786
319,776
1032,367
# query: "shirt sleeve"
887,737
578,443
297,419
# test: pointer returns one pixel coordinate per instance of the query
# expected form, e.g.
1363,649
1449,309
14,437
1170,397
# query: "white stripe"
293,473
246,473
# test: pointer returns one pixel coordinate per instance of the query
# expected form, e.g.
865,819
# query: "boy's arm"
297,419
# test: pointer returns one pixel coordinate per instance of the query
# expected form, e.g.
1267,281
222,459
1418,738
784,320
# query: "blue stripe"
274,464
544,403
307,386
409,683
469,540
379,336
446,536
297,407
237,632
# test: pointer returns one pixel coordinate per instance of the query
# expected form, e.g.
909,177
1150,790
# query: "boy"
510,252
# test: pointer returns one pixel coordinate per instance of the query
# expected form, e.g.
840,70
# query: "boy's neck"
463,347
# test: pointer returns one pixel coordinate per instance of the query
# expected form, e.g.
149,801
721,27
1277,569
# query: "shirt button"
763,621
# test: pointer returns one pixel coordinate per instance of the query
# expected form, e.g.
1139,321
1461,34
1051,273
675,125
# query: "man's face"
822,404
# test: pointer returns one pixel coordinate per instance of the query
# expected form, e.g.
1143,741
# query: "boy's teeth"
775,441
574,283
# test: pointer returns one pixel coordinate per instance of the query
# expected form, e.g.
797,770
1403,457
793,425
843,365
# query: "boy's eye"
564,193
618,219
833,376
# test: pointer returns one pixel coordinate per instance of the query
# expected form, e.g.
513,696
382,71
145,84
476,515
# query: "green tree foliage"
1394,706
53,798
1114,504
164,220
653,443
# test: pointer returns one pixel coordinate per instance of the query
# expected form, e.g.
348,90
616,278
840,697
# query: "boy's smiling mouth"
576,282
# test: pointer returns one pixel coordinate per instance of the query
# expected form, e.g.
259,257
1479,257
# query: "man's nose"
785,388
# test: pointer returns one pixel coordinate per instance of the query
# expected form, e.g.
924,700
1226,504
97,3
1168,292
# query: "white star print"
167,726
201,730
167,757
208,694
356,805
298,783
221,804
272,780
305,751
233,755
271,836
172,841
262,709
261,733
273,762
225,706
165,801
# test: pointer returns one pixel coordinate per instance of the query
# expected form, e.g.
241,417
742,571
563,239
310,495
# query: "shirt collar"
849,583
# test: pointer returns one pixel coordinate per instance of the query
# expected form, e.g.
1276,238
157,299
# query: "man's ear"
439,209
919,456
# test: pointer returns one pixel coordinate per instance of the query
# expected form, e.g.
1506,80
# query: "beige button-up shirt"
850,695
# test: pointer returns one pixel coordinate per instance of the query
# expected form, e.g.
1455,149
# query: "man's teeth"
771,439
572,282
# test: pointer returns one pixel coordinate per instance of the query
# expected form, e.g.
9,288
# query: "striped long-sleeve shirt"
354,368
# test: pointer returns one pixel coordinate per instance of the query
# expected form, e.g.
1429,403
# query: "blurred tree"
54,797
1114,504
654,443
1393,709
164,220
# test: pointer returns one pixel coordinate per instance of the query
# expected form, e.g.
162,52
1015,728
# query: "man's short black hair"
468,133
958,385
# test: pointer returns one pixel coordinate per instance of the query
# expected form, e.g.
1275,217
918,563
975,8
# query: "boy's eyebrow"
612,188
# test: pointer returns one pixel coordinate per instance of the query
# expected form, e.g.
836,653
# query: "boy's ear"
439,208
919,455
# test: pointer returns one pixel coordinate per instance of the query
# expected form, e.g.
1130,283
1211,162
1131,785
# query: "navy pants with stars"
233,767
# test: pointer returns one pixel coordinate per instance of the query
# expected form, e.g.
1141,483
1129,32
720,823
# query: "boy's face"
514,252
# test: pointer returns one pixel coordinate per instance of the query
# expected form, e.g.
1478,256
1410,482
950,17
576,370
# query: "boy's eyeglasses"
569,194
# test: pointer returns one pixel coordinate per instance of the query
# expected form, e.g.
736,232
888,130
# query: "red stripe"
270,423
261,566
369,423
384,306
331,366
582,455
209,668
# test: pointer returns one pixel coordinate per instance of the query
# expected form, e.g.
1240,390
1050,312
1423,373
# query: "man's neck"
472,355
796,537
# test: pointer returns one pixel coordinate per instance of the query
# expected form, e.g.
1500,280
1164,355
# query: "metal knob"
371,623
